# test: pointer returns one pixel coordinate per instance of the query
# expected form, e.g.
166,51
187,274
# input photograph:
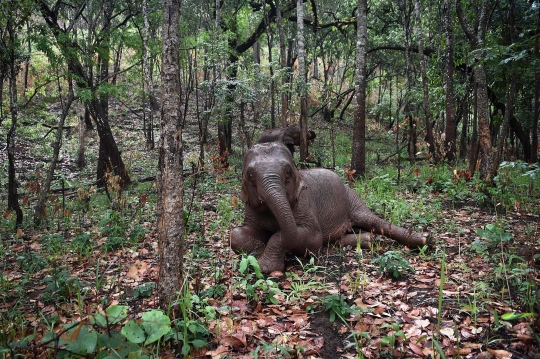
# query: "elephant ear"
300,185
243,193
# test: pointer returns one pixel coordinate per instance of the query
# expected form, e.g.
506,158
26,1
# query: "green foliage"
391,338
144,290
254,282
82,245
393,263
60,286
338,307
32,262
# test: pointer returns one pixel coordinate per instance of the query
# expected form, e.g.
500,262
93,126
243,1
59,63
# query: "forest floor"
473,293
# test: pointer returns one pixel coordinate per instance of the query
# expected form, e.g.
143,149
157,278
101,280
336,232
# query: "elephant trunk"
274,195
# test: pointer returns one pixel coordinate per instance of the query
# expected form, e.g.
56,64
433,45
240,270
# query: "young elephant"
299,211
289,136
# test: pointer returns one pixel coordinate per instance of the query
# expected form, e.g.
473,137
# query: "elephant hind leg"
249,240
352,239
362,217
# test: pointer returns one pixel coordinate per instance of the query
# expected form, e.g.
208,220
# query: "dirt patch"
333,345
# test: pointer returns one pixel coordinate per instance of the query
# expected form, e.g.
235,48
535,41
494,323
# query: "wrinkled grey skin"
299,211
289,136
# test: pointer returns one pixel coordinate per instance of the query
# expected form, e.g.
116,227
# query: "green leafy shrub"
336,305
393,263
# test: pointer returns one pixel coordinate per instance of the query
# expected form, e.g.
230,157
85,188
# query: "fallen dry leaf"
137,270
499,353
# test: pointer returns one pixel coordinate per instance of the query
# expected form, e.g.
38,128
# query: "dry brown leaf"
137,270
416,349
218,352
422,323
449,332
499,353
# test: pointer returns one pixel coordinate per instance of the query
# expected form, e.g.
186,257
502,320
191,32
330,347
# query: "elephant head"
271,185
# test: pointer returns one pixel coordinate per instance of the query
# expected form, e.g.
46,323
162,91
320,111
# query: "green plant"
144,290
60,285
390,338
32,262
336,305
54,244
393,263
82,245
254,282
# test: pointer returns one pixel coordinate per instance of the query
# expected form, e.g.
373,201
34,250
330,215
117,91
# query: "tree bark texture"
450,128
302,81
536,115
358,160
170,182
283,63
423,69
13,197
411,133
476,35
148,94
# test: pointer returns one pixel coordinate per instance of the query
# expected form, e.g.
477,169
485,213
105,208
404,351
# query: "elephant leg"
362,217
273,257
352,239
248,239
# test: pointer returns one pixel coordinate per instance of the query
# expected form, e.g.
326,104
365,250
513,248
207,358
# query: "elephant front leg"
273,257
248,239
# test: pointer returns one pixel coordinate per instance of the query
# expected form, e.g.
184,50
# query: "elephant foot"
352,240
273,257
269,265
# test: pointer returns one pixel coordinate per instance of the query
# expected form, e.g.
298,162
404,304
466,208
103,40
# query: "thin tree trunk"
39,207
283,63
423,68
476,37
450,129
302,81
536,115
81,162
170,181
13,196
407,106
358,160
148,90
510,94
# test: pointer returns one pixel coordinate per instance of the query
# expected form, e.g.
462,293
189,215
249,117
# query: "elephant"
289,136
300,211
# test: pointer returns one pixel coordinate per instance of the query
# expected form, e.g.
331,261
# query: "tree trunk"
148,90
302,81
510,93
170,182
476,36
407,105
427,111
13,196
81,162
536,115
283,63
358,160
39,207
450,129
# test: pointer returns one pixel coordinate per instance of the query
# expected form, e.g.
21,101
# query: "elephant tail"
361,216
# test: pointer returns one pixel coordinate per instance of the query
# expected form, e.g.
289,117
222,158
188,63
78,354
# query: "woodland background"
122,130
